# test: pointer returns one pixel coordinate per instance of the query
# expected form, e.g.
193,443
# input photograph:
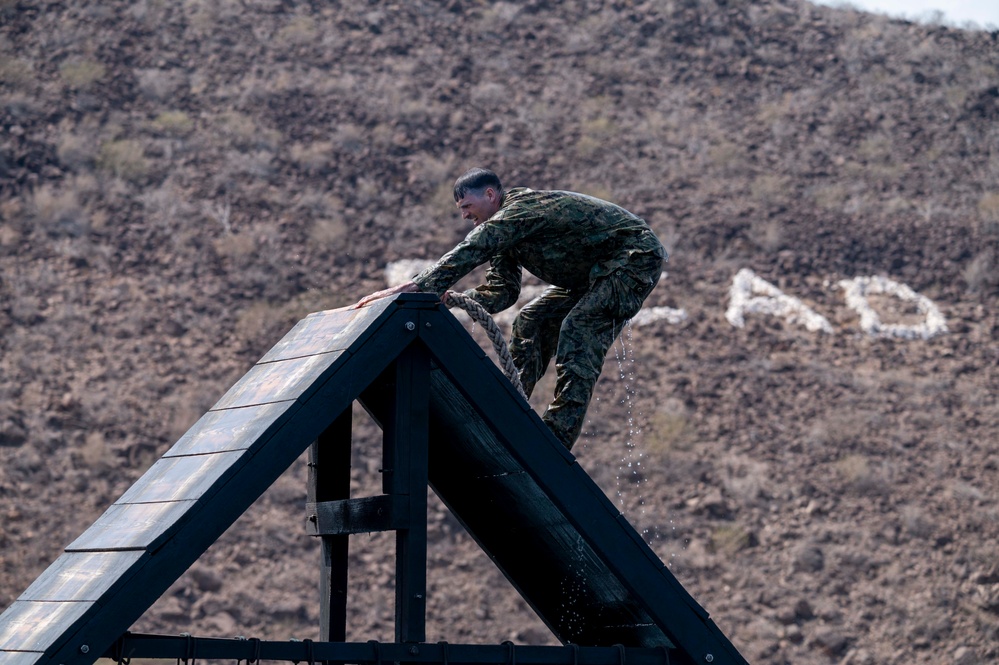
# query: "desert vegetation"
182,181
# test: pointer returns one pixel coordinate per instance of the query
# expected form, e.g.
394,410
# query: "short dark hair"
476,180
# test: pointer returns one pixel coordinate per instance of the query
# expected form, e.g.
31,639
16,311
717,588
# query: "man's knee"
581,352
565,422
524,326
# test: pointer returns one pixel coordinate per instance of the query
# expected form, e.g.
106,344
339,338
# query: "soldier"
600,260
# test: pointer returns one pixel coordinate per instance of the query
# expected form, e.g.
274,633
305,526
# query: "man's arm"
408,287
502,287
485,241
479,245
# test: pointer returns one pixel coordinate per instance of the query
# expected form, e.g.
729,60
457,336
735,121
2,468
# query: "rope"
481,316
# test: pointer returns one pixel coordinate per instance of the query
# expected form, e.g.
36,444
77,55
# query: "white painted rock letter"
857,290
754,295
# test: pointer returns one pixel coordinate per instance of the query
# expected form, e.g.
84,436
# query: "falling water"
630,468
573,587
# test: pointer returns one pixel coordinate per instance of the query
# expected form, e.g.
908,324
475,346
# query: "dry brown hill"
181,181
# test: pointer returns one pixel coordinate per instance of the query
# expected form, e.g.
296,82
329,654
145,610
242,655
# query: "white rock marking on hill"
754,295
652,315
403,270
857,290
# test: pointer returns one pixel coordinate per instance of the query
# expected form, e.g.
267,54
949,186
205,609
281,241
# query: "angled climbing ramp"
449,419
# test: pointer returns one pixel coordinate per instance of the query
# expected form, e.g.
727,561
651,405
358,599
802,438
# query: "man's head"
478,194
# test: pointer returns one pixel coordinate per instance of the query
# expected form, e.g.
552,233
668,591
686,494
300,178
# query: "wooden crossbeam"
371,514
377,653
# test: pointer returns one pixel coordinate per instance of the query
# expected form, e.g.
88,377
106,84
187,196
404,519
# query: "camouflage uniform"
601,261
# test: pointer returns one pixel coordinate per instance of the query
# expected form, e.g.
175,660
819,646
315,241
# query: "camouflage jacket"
564,238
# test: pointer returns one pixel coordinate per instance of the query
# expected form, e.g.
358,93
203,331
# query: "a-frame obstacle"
449,418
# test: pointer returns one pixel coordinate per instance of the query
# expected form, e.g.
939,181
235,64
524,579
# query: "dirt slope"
180,182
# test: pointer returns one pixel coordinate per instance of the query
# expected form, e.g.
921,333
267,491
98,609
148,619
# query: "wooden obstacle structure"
450,421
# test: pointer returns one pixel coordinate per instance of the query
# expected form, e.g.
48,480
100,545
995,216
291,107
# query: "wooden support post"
406,470
329,480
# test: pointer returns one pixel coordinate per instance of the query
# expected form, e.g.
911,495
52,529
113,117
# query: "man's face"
479,206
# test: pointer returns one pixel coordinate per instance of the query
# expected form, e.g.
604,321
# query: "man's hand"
408,287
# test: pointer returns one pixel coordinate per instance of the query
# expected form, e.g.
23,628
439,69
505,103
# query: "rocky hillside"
182,181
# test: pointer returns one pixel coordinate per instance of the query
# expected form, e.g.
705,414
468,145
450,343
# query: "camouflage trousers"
578,327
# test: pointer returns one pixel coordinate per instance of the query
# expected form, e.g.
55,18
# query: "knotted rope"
481,316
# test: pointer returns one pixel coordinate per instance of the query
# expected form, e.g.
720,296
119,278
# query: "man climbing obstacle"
601,261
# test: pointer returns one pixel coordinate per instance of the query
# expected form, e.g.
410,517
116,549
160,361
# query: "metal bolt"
410,326
84,648
709,658
419,596
414,650
427,324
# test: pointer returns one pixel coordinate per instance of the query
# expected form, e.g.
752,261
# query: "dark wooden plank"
299,377
490,395
279,381
544,556
373,652
364,515
30,625
442,324
132,526
674,584
186,478
332,330
489,457
84,576
329,481
232,429
20,657
405,462
514,499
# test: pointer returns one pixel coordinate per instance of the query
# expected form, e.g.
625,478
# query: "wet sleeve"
502,287
485,241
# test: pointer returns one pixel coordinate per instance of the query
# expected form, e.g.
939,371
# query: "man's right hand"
408,287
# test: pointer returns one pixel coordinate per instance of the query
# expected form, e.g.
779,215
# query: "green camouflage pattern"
564,238
601,262
578,329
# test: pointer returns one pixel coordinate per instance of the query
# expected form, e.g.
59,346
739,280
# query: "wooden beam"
132,645
406,474
365,515
329,484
